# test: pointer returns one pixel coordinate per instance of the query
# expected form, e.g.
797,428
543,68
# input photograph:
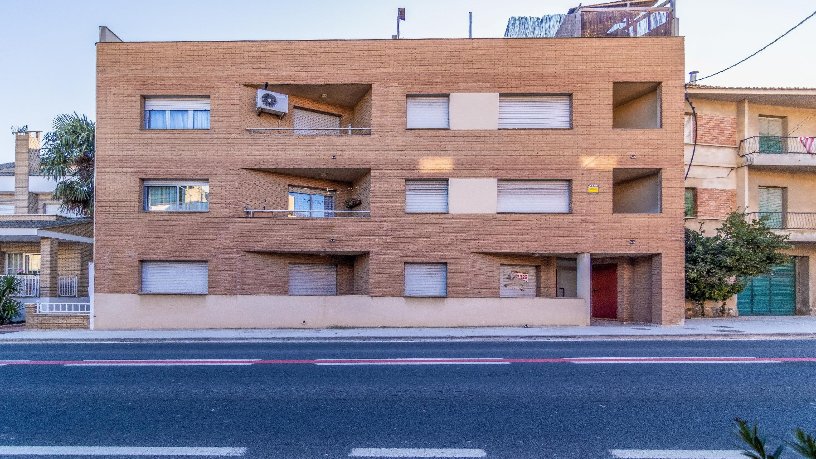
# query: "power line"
761,49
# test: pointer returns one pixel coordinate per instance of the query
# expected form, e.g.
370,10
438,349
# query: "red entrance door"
605,291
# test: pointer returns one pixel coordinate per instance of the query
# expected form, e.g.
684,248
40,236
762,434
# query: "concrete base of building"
130,311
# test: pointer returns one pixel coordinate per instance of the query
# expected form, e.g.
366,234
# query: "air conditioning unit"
272,102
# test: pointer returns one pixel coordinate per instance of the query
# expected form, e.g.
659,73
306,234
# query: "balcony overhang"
322,173
780,161
35,234
798,235
784,97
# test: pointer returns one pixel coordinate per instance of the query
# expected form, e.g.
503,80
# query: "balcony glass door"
772,206
771,134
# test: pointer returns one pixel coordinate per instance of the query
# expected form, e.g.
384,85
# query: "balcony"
778,152
800,226
29,286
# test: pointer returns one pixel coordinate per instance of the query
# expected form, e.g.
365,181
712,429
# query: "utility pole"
400,17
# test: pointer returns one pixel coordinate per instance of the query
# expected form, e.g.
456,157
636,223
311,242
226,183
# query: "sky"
47,47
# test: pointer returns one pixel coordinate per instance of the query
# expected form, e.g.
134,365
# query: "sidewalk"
799,327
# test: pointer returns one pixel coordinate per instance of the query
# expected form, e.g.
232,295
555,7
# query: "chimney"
26,156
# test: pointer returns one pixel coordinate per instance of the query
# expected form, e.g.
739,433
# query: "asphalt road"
527,400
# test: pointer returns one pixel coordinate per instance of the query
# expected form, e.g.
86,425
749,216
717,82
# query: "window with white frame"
311,202
426,279
535,111
22,263
175,277
176,196
534,196
426,196
427,112
176,112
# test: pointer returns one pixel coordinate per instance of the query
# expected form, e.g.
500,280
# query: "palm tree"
67,156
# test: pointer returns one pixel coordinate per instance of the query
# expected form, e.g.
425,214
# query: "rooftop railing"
306,213
786,220
767,144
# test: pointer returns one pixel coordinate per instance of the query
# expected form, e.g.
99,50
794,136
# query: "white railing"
67,286
29,285
307,213
64,308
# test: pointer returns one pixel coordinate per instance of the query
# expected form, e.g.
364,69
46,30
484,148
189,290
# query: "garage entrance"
771,294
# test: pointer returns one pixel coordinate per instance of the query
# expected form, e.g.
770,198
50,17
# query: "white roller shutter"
307,122
312,279
174,277
426,279
534,196
535,112
517,281
427,112
176,103
426,196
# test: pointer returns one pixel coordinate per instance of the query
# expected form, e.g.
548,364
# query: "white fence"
83,309
67,286
29,285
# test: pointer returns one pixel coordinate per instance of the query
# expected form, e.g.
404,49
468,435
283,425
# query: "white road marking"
721,360
415,361
120,451
676,454
416,452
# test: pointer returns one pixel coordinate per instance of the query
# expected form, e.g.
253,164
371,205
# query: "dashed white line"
676,454
162,362
414,361
417,452
121,451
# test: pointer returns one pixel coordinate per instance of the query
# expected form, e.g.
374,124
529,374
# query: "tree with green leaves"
67,156
717,266
9,306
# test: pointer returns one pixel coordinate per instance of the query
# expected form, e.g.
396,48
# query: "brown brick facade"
716,130
714,203
248,256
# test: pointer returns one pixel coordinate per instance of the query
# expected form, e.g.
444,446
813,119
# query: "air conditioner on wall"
272,102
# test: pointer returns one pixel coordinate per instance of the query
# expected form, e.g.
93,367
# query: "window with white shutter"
534,196
176,112
308,122
426,279
518,281
535,112
312,279
175,277
427,112
426,196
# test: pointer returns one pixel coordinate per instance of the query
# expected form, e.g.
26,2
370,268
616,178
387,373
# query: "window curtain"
179,119
162,198
156,119
201,119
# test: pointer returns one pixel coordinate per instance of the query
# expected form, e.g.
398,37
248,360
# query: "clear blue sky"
47,46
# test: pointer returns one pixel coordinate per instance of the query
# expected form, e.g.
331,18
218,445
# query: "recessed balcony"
778,152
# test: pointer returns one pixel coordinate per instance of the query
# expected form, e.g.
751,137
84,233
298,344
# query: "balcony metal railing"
776,145
786,220
307,213
343,131
67,286
64,308
29,285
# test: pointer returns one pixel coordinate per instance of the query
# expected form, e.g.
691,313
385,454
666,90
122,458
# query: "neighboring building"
439,182
45,248
756,151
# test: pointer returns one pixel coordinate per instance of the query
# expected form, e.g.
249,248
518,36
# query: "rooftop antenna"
470,24
400,17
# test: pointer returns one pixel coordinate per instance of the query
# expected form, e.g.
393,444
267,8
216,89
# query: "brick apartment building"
436,182
756,151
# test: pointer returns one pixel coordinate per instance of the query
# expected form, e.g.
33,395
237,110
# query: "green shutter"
691,202
771,294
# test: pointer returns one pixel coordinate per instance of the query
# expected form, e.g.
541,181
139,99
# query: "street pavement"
515,400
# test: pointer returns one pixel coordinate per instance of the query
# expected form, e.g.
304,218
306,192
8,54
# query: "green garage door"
771,294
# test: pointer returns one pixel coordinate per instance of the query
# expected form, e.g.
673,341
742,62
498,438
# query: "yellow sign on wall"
593,189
